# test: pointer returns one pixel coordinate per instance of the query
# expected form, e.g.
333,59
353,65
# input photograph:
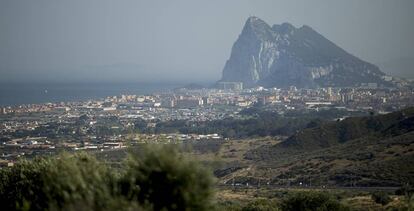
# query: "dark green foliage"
64,182
234,128
255,205
405,190
256,122
155,180
333,133
166,180
381,198
311,201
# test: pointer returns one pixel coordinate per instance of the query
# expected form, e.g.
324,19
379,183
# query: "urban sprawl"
110,123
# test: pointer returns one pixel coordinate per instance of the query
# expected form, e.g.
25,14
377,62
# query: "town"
117,121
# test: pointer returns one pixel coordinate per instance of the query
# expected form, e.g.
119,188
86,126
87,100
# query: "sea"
12,94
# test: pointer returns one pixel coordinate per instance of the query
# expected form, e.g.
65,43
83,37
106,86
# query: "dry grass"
365,203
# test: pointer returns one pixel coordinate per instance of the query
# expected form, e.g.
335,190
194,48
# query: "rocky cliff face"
283,55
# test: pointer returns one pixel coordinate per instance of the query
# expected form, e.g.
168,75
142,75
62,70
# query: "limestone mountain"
283,55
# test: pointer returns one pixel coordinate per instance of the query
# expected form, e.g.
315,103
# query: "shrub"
261,205
165,179
381,198
229,206
405,190
65,182
158,179
310,201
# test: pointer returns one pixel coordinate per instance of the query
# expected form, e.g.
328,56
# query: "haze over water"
34,93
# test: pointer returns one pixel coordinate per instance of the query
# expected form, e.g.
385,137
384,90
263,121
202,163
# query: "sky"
178,40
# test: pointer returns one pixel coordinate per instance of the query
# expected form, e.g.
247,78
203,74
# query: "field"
358,200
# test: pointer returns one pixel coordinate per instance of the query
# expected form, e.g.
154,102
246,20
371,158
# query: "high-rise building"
206,100
329,94
347,95
329,91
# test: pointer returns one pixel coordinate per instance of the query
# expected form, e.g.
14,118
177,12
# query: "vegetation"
167,181
261,205
291,201
233,128
358,151
151,179
381,197
157,179
333,133
309,201
256,122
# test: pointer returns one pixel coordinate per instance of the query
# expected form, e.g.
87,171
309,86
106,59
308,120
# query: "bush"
158,179
57,183
166,180
405,190
381,198
310,201
229,206
261,205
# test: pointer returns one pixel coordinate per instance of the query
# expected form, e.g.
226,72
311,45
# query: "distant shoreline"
13,94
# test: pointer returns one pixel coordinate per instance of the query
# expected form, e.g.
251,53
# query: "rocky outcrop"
283,55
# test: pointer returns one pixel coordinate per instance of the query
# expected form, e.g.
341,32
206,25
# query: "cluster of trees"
157,179
256,121
263,124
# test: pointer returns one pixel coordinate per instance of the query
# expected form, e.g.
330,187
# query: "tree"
381,197
165,179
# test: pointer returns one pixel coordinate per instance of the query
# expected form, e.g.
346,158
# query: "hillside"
333,133
361,151
368,151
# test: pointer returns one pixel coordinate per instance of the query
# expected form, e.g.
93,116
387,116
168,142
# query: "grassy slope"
360,151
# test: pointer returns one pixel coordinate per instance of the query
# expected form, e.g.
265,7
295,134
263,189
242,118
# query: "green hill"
333,133
361,151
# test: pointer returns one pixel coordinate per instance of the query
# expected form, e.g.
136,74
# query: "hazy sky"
126,40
